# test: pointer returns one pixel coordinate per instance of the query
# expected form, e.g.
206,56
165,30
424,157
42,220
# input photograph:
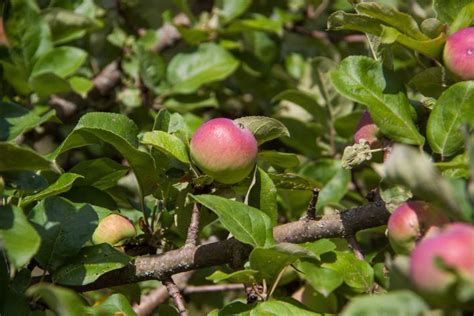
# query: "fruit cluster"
441,253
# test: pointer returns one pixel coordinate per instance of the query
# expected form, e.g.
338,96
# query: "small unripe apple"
459,53
224,150
409,222
113,229
454,246
367,130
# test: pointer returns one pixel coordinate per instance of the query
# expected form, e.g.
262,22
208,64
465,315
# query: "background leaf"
18,237
187,72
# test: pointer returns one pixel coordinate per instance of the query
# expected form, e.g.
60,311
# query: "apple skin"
224,150
113,229
458,53
366,129
454,245
409,222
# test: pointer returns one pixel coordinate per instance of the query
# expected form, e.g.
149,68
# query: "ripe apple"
409,222
454,246
367,130
224,150
113,229
459,53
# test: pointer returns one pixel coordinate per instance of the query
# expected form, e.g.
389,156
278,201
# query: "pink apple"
454,246
459,53
409,222
224,150
367,130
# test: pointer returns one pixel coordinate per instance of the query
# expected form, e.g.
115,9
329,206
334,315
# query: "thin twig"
311,210
354,245
159,295
175,294
192,289
277,280
193,229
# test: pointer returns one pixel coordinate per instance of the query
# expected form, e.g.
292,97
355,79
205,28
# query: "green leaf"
61,61
242,276
263,195
16,120
264,128
120,132
62,184
187,72
448,10
67,25
335,189
365,81
429,82
415,171
28,34
278,308
231,9
403,22
102,173
61,300
115,304
90,264
346,21
267,308
18,237
188,103
168,144
16,77
464,19
257,23
247,224
64,228
152,68
14,157
48,83
322,280
320,247
289,181
454,107
304,99
271,261
80,85
279,159
28,182
393,303
358,274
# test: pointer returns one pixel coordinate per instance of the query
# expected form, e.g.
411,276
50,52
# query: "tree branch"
175,294
232,252
193,229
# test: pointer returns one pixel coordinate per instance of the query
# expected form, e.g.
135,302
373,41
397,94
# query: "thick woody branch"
232,252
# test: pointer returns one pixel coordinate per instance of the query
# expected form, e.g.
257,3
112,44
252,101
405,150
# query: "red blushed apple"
459,53
367,130
224,150
113,229
454,246
409,222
